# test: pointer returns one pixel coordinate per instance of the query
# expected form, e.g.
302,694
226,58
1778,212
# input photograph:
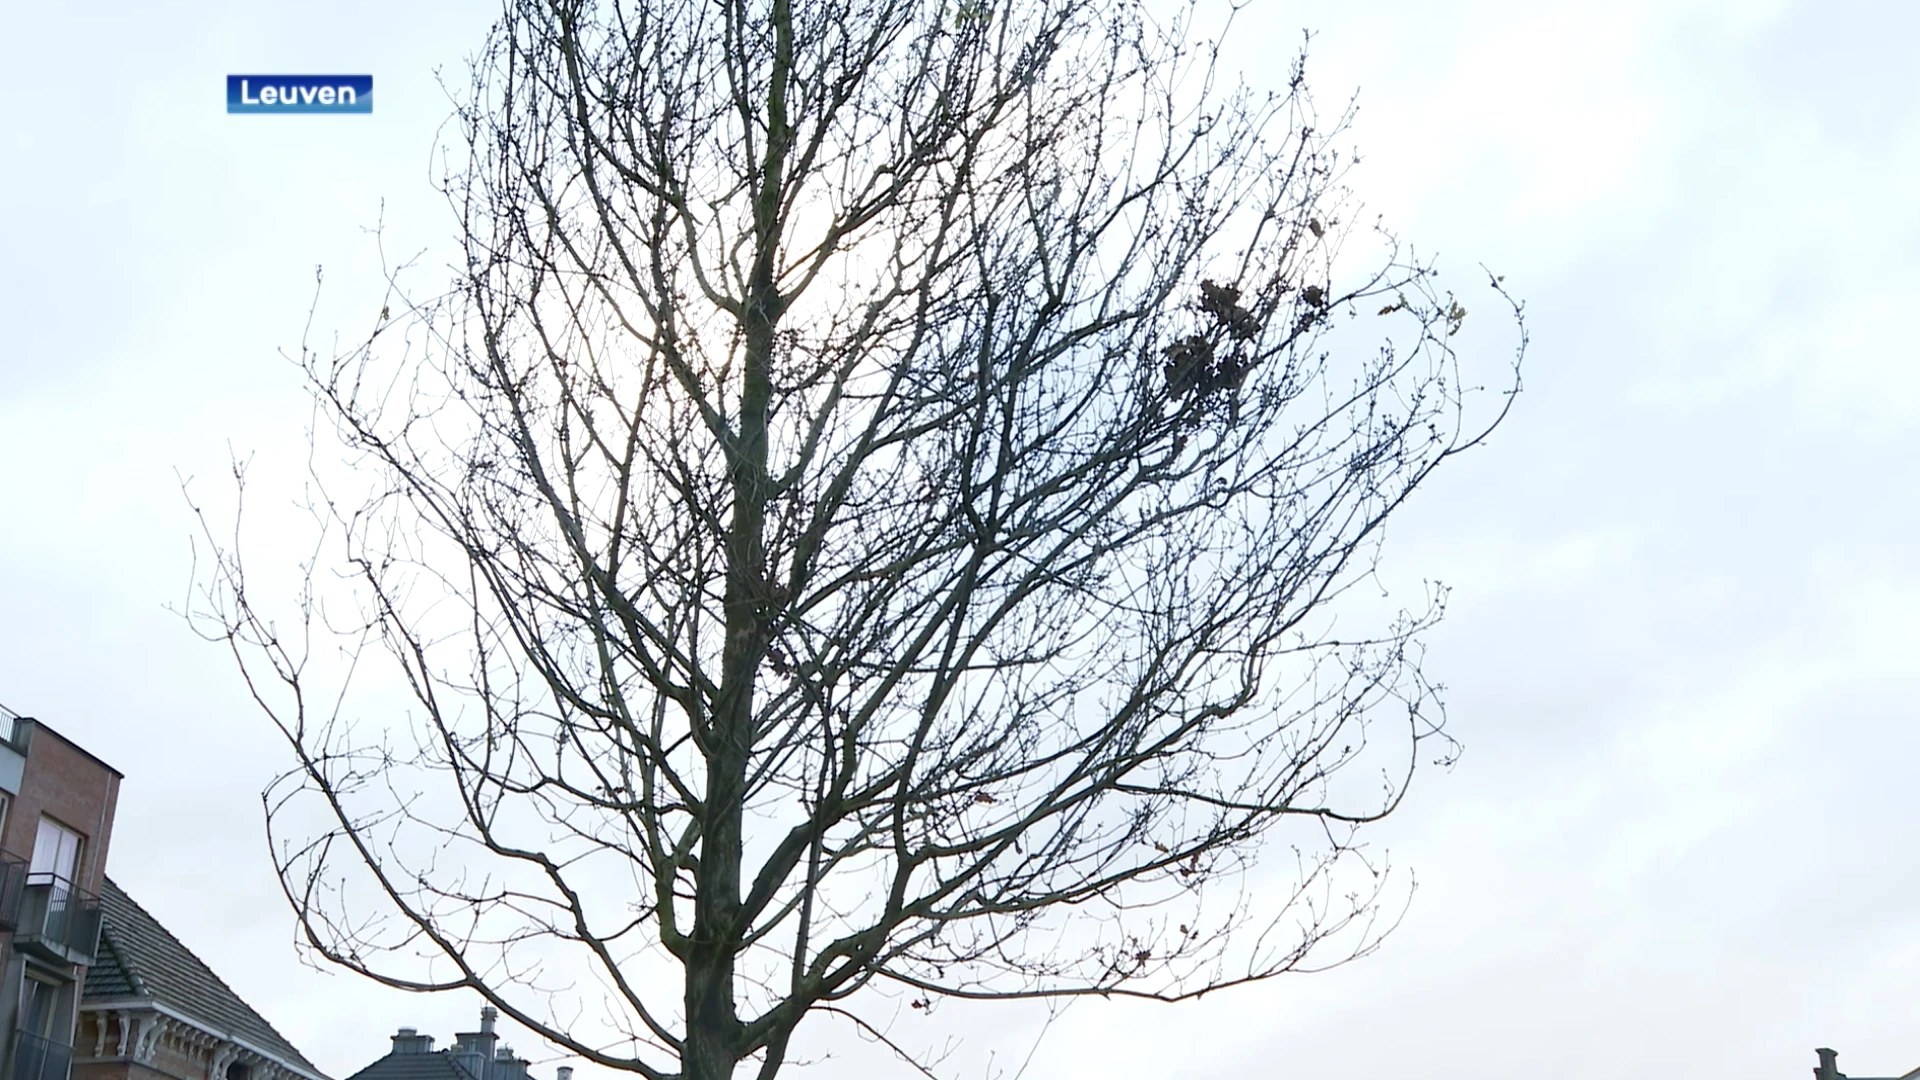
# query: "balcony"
36,1057
57,922
14,732
13,881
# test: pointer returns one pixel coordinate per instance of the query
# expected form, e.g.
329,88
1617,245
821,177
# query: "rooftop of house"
140,960
474,1055
1829,1069
400,1065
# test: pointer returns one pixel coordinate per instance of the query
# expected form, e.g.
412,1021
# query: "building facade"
56,822
94,988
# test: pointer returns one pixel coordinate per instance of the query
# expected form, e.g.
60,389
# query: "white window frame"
46,864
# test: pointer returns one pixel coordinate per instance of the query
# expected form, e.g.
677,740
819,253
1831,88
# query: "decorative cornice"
144,1024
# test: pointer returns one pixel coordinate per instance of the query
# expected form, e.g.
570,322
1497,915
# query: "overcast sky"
1681,652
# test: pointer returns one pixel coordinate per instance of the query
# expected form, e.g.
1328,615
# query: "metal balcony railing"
58,921
36,1057
13,881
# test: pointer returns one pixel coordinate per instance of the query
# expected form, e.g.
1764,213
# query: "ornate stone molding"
139,1030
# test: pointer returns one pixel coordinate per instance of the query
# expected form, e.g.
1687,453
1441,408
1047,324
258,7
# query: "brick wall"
81,792
116,1070
74,788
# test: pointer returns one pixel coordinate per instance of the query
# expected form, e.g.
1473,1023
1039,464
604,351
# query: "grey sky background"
1681,650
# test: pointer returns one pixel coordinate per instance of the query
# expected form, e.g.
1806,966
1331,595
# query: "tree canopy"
864,522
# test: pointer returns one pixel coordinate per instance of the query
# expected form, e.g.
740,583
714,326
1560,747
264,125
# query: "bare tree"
867,515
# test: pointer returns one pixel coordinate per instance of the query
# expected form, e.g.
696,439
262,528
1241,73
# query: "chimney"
488,1014
506,1066
473,1050
463,1055
1828,1068
564,1072
409,1041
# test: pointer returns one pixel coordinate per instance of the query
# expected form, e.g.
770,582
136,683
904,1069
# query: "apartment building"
56,823
94,988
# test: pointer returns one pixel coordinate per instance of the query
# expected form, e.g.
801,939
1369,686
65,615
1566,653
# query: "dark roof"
437,1065
108,977
139,958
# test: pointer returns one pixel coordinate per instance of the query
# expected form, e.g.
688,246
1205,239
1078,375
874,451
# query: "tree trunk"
713,1026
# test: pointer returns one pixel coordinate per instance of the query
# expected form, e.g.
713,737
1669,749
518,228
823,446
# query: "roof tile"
139,958
436,1065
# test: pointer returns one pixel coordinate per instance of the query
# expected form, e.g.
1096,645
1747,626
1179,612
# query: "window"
56,852
40,1006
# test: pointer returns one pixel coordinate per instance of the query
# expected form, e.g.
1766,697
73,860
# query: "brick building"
94,988
56,822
